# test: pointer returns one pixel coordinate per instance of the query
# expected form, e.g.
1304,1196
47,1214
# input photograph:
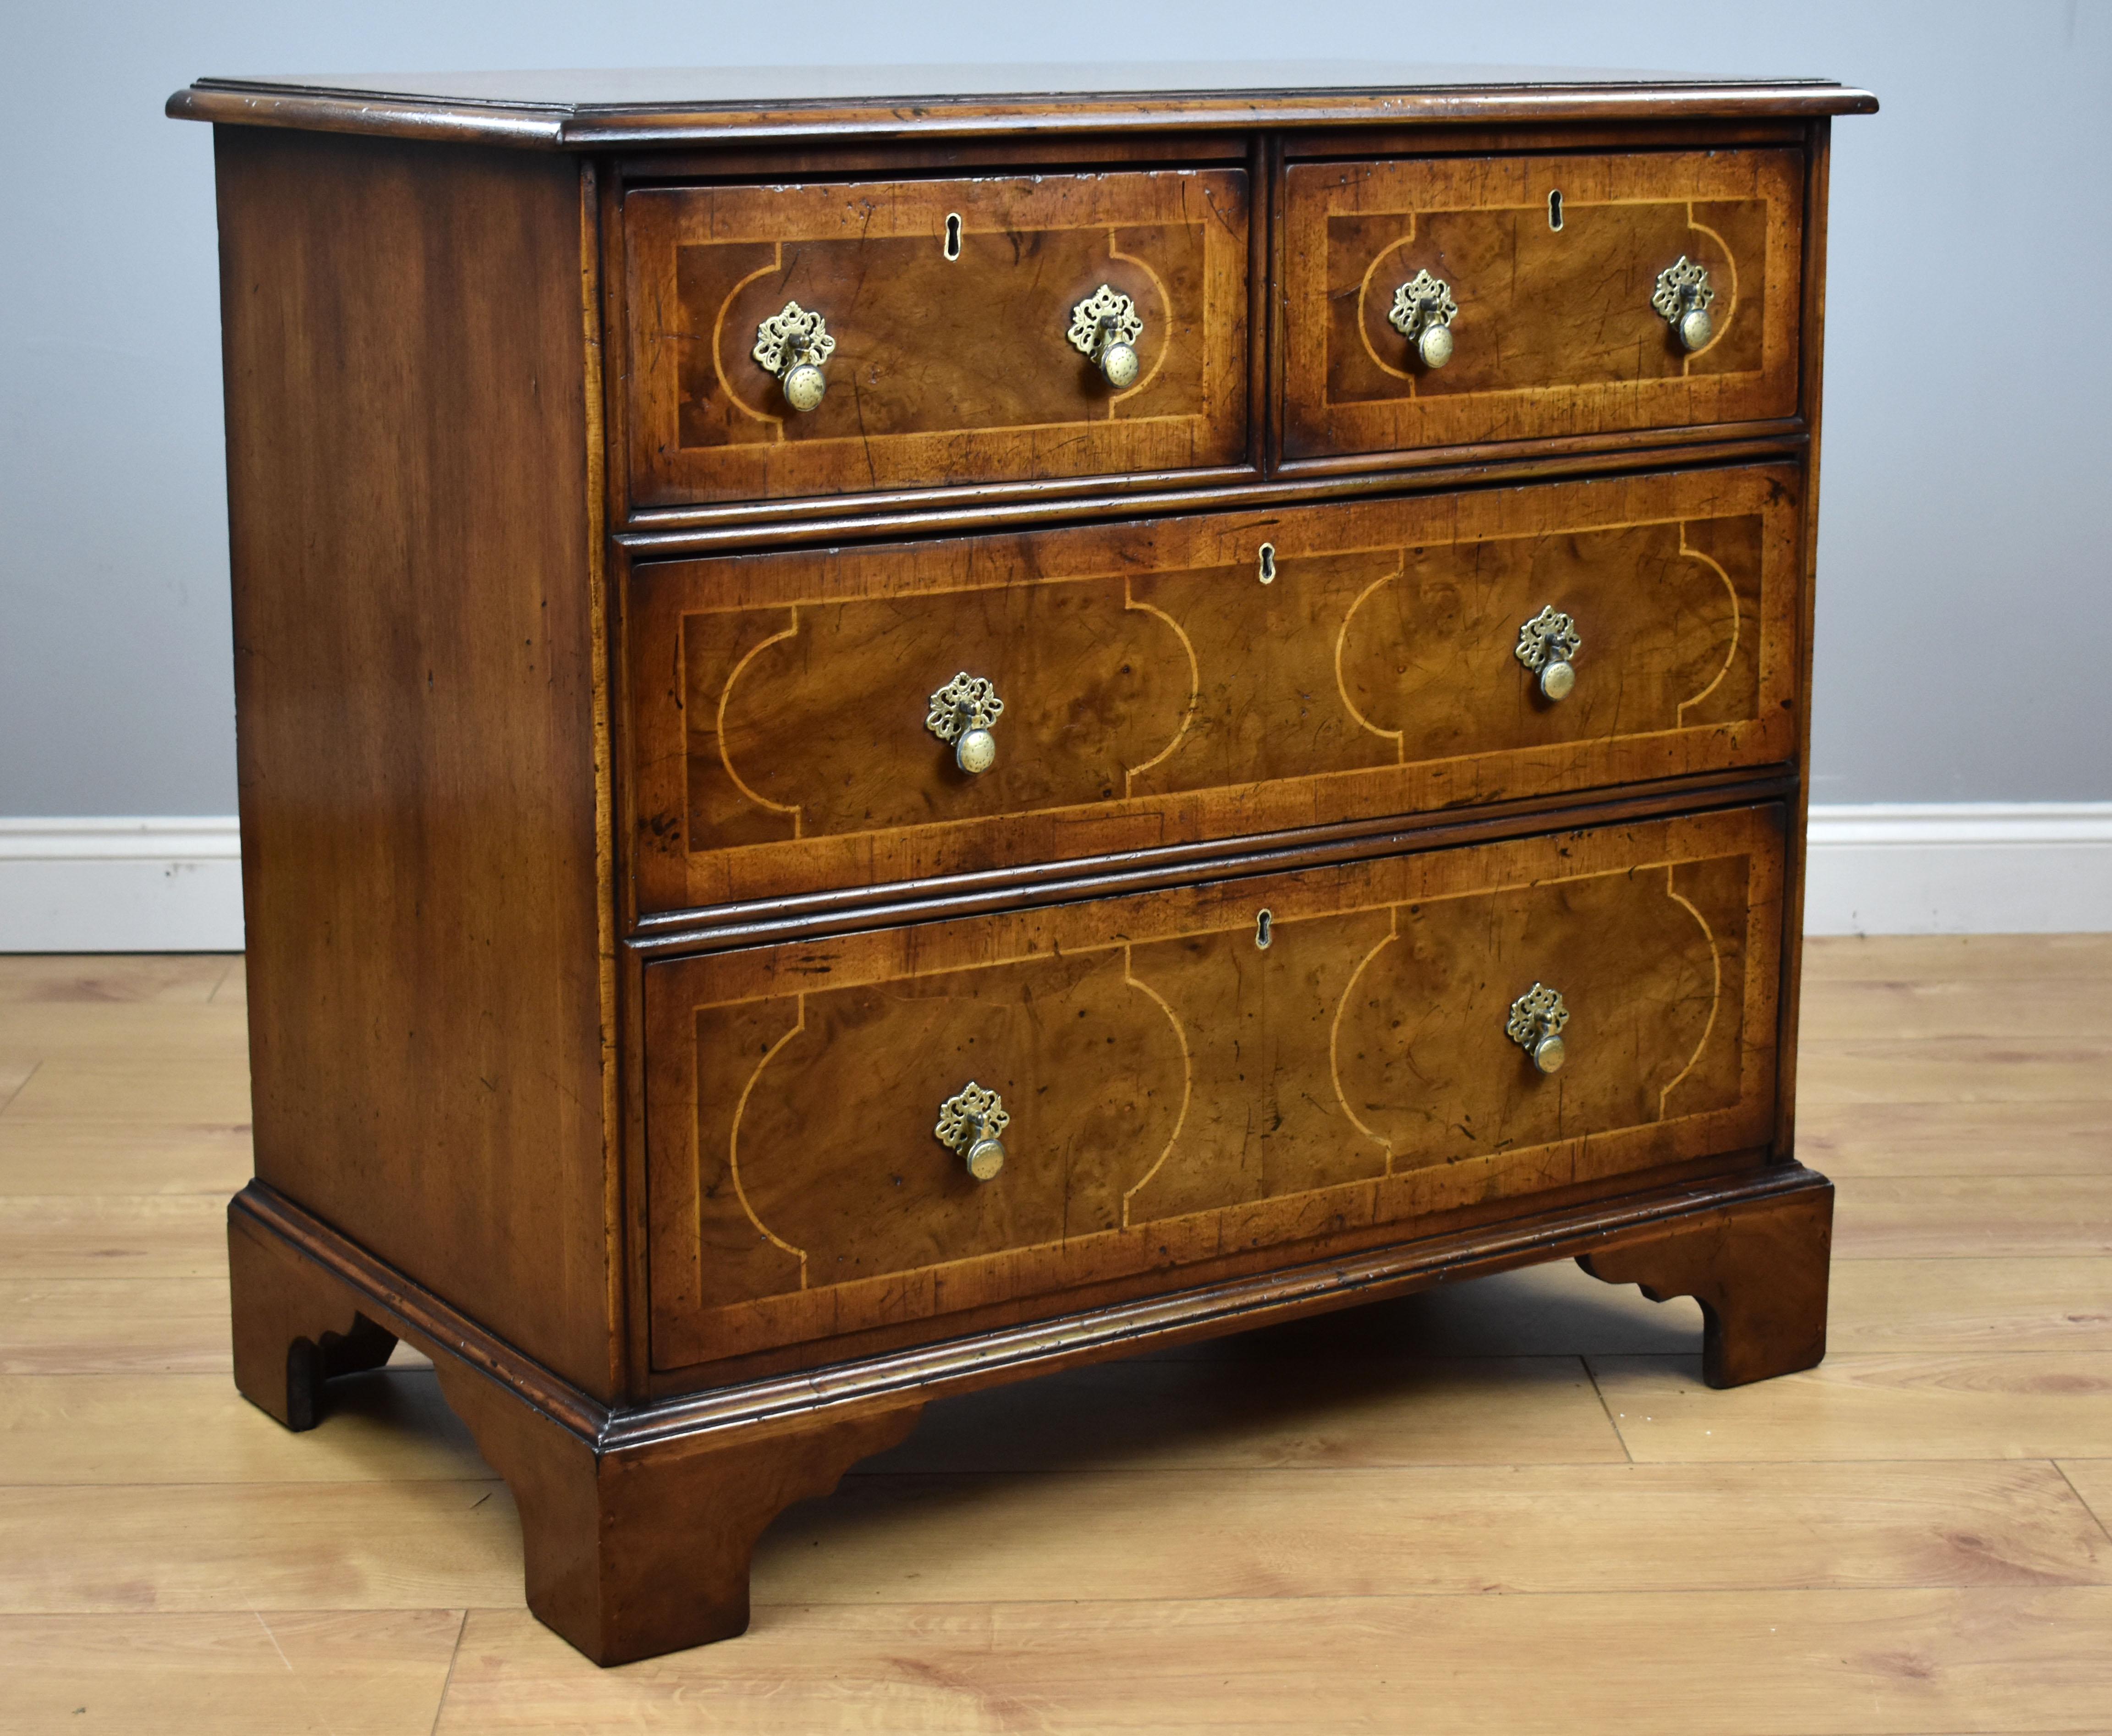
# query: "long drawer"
1192,679
1182,1078
946,347
1568,283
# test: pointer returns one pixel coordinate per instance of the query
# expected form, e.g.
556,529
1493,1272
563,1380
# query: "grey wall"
1962,560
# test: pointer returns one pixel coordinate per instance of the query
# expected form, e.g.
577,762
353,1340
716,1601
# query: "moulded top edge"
584,110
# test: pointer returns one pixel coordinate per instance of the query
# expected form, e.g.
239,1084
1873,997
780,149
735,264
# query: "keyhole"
1267,577
953,235
1554,209
1264,930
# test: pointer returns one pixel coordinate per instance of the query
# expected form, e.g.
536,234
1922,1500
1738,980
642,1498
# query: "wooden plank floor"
1509,1508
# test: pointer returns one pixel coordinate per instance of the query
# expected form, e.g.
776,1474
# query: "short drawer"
948,307
1571,277
1193,679
1183,1082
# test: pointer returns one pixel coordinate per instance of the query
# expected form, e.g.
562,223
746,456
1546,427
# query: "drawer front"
950,305
1179,1094
1161,683
1556,332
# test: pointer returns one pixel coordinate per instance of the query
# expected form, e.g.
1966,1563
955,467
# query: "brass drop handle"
960,715
1104,328
1537,1017
1548,645
969,1123
793,345
1422,311
1682,296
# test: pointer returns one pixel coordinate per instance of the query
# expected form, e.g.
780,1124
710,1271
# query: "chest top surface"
623,108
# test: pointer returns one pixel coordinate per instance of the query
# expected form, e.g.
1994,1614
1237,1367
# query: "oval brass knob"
1537,1017
1422,311
969,1123
1548,645
961,714
1682,296
793,345
1104,328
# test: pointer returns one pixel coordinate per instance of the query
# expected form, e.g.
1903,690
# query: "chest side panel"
411,520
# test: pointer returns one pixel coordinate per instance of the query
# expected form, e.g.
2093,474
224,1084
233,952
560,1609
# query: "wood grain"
1437,1531
2045,1302
1803,1663
1990,1405
2092,1478
1939,1216
81,1154
408,1543
1343,1412
98,979
123,1031
194,1428
114,1326
1761,1281
1819,158
1554,1310
140,1092
410,498
1939,959
1214,1124
608,110
1555,333
1957,1069
946,370
628,1554
2061,1007
791,1091
236,1674
1156,690
1086,1562
2046,1137
146,1085
1357,1533
2025,1303
112,1236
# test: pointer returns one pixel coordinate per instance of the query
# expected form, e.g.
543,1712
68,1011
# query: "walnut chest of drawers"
892,740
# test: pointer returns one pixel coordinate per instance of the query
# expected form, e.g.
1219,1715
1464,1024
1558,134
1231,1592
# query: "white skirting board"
1948,868
1960,867
121,885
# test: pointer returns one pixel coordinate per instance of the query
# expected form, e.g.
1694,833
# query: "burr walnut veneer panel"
1162,685
1178,1091
1555,333
952,363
